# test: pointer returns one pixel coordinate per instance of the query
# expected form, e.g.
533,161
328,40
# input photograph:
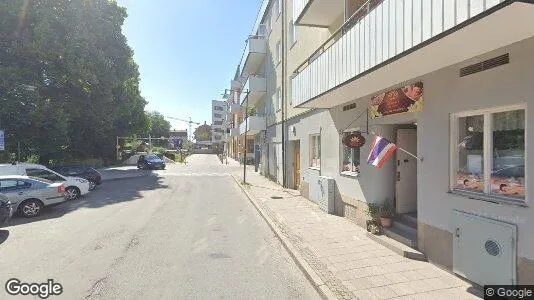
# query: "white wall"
446,93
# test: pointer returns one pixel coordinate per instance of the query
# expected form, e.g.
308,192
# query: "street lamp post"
245,143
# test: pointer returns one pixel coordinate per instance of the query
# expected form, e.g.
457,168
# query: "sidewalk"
338,257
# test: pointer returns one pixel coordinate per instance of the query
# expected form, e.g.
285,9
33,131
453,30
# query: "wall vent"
485,65
349,107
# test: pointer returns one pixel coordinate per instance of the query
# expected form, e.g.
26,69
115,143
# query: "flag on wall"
381,151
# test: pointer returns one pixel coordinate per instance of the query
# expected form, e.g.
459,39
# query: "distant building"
181,134
218,116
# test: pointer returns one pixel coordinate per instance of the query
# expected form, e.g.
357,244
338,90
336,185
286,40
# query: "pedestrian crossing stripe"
196,174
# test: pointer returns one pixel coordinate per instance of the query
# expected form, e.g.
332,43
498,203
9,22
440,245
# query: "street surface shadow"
4,234
112,192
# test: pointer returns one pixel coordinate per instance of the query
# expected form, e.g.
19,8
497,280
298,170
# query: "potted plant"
386,214
373,211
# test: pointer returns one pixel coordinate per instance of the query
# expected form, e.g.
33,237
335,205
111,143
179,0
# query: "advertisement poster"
2,142
406,99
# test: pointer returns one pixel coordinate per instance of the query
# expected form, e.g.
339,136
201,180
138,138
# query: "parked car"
74,186
6,211
29,195
150,161
93,176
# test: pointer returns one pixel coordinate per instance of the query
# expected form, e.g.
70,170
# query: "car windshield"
41,179
152,157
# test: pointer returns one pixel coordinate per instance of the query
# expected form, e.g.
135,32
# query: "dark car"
5,209
93,176
150,161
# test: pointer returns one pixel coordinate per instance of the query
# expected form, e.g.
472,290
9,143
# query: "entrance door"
406,188
296,164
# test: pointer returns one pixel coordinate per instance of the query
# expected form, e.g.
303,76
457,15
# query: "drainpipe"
284,94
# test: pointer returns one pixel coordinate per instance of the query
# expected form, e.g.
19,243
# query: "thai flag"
381,151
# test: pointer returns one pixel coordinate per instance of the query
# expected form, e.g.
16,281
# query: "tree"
158,125
203,133
68,82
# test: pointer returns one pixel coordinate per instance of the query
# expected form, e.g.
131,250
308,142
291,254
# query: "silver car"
6,211
29,195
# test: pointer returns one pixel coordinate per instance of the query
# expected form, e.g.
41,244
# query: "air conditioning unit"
326,197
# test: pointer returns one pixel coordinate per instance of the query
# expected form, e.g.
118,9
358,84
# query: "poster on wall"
408,98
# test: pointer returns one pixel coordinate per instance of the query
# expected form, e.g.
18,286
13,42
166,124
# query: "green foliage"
386,209
203,133
68,82
373,211
158,125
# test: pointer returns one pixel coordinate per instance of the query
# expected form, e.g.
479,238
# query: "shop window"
315,151
489,154
351,158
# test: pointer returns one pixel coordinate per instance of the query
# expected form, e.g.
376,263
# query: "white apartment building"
447,81
218,120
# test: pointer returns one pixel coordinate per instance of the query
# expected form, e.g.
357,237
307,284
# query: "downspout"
284,94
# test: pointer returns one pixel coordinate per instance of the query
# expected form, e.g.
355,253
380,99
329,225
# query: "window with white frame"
293,33
315,151
351,157
280,6
489,153
278,52
278,96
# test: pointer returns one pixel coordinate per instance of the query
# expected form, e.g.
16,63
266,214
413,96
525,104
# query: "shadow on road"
4,234
109,193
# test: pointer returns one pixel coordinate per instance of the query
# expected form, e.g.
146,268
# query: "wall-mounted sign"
2,142
406,99
354,140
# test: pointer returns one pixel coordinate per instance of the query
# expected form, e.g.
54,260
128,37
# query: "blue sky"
187,51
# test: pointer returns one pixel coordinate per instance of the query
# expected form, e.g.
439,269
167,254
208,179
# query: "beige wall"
308,41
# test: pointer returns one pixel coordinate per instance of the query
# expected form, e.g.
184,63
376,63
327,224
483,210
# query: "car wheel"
92,185
30,208
71,193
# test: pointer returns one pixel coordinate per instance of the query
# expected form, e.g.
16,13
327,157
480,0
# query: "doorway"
296,164
406,183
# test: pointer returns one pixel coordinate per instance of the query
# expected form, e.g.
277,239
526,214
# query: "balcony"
255,125
235,85
388,42
317,12
234,132
254,54
235,108
256,87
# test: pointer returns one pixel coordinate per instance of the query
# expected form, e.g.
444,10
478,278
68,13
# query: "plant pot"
385,222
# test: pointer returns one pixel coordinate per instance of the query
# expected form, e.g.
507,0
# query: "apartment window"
278,52
351,158
217,123
218,108
217,115
315,151
489,153
293,33
278,96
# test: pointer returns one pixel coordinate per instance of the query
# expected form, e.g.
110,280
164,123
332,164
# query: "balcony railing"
255,50
375,33
255,88
255,125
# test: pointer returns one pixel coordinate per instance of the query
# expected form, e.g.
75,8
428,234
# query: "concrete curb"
303,265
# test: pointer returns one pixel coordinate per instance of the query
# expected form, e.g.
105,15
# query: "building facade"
429,77
218,124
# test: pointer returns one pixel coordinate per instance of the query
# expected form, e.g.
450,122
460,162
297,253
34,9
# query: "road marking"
188,174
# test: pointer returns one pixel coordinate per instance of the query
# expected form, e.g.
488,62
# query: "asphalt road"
186,232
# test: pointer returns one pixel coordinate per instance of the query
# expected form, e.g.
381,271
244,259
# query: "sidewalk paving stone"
349,263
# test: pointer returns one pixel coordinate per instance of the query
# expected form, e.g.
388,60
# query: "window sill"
350,174
315,168
493,198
